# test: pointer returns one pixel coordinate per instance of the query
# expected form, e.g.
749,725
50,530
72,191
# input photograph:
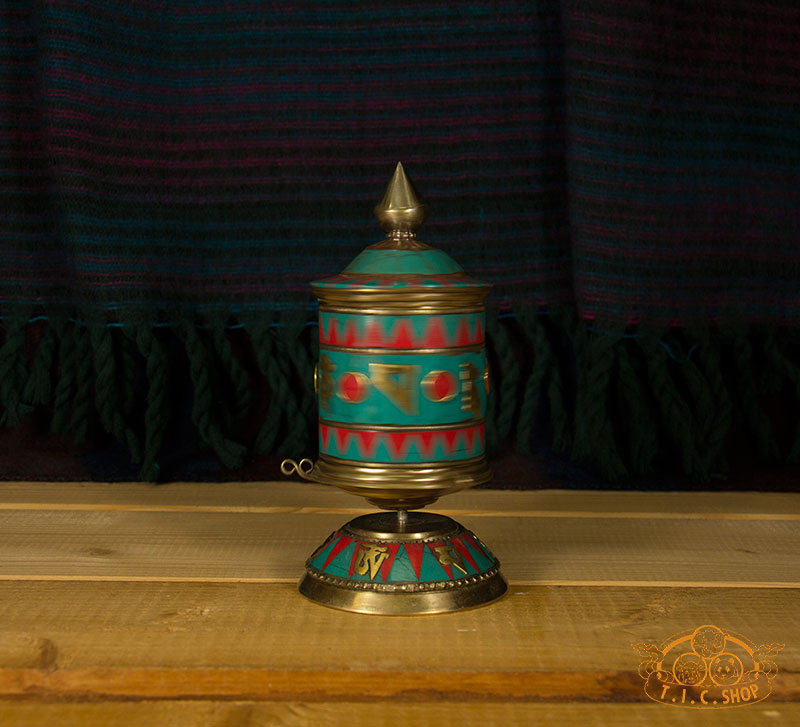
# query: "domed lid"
401,271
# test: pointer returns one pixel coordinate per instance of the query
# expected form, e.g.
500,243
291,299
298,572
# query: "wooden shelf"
125,604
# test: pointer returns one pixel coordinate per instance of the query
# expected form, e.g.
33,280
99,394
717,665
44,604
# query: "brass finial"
400,212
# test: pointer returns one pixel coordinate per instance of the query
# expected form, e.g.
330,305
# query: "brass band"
360,426
404,599
408,301
401,486
450,351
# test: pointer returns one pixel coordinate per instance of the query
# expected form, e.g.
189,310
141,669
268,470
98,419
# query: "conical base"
402,564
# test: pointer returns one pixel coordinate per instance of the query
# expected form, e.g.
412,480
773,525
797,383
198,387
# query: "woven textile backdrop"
173,174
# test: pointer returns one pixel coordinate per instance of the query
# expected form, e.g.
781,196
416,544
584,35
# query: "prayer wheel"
402,382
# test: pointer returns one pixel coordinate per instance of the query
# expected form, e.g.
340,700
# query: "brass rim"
408,301
358,426
401,487
438,597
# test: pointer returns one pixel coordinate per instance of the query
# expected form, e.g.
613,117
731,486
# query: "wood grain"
381,714
271,627
128,604
302,497
272,547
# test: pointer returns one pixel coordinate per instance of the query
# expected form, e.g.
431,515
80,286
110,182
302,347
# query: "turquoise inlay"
379,408
471,570
480,558
340,565
319,561
402,570
403,262
431,568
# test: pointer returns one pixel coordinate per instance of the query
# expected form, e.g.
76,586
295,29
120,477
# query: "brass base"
402,564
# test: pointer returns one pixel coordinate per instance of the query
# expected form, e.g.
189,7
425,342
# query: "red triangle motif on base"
473,541
465,554
341,544
386,567
447,568
415,552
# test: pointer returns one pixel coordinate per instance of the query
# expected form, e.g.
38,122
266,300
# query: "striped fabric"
638,157
625,167
219,155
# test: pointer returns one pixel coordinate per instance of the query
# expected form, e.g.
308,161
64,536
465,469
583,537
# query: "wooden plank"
300,497
382,714
270,547
95,641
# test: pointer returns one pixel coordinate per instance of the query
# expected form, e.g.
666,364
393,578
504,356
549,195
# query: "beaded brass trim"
404,603
404,586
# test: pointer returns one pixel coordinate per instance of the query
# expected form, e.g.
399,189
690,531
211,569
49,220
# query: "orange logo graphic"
707,668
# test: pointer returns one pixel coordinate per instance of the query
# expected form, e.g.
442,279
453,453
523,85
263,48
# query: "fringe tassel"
39,386
157,412
111,380
13,375
237,376
623,402
284,411
206,401
82,401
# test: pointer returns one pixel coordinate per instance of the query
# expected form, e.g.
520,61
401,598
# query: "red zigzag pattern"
401,335
469,440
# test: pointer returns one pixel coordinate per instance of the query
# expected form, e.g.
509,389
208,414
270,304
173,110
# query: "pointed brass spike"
400,194
400,212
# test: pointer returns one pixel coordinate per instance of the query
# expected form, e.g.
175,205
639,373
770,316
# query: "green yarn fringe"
622,402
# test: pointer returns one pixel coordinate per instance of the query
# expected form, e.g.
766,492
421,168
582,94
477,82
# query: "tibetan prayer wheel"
402,382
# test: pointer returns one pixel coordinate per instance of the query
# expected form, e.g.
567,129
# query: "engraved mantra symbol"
447,555
401,383
326,383
470,398
370,559
396,382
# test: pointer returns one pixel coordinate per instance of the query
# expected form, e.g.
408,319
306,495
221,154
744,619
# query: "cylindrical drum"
402,376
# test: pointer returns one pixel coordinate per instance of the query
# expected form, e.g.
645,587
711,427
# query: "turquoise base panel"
392,562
